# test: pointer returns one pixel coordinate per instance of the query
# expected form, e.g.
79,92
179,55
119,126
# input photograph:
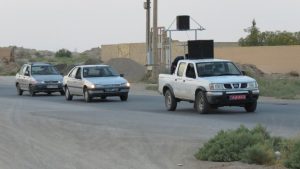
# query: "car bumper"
47,87
103,92
224,98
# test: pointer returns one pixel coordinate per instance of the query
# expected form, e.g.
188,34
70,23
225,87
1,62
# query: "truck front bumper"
233,98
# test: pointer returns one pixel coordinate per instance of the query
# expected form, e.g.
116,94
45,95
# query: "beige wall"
134,51
271,59
5,55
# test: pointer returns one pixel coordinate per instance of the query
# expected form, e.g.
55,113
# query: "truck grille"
235,85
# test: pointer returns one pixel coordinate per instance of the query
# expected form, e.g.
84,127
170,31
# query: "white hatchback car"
95,81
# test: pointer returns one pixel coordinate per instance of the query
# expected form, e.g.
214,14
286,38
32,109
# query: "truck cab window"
190,71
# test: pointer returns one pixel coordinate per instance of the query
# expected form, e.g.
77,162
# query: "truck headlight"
252,85
216,86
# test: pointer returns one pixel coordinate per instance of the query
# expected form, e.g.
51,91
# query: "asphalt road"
48,132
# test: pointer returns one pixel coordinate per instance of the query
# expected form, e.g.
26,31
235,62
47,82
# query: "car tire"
62,93
31,91
87,96
251,107
124,97
103,97
68,94
170,101
201,104
19,90
49,93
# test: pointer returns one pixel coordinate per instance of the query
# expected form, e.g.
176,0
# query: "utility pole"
147,7
155,68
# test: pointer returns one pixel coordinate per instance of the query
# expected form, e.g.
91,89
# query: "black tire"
201,104
49,93
19,90
170,101
68,94
124,97
87,96
62,93
251,107
31,91
103,97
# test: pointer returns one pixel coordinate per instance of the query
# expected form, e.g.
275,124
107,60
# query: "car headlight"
90,85
125,84
252,85
216,86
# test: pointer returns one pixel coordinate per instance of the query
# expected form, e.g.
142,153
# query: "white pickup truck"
209,84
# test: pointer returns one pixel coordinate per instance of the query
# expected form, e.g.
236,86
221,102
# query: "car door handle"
175,79
183,81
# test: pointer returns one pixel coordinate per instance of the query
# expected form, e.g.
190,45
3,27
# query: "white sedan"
92,81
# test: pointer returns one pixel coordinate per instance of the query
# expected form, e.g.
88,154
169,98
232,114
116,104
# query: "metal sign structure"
169,45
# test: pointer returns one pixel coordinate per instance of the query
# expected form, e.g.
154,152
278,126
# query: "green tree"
253,39
63,53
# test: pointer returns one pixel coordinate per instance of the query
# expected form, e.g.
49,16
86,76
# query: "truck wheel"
201,104
251,107
68,94
19,90
170,101
86,96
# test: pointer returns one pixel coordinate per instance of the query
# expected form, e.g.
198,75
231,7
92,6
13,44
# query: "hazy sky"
83,24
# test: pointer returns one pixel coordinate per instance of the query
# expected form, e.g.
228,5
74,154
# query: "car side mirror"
243,72
121,75
27,73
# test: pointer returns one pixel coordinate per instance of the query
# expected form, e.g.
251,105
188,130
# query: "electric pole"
147,7
155,68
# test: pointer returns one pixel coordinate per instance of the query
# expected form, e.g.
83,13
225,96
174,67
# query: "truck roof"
203,60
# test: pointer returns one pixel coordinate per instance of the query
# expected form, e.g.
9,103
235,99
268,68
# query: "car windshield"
217,69
44,70
99,71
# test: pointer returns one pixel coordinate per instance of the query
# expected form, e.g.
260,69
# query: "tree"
63,53
268,38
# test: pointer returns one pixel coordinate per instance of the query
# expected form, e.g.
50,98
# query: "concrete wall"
6,55
271,59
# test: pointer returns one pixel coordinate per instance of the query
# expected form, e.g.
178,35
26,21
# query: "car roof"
39,64
84,66
203,60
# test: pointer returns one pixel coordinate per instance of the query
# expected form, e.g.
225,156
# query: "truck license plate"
237,97
52,86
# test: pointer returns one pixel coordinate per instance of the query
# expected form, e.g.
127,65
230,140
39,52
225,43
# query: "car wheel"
86,96
201,104
251,107
19,90
170,101
68,94
49,93
31,91
103,97
62,93
124,97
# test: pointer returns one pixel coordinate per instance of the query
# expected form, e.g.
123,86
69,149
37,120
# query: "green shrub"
229,145
251,146
293,156
259,154
63,53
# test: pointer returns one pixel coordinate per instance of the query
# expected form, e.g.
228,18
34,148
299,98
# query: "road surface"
48,132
